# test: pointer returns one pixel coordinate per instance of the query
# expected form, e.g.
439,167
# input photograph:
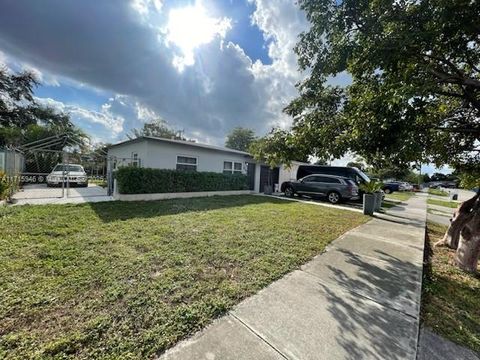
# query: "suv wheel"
289,191
387,191
334,197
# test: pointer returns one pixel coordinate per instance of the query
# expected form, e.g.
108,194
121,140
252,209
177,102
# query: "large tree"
22,119
157,128
414,94
240,139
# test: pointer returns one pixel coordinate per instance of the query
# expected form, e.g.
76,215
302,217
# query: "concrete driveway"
347,205
35,194
463,194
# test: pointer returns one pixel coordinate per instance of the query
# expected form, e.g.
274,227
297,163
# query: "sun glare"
190,27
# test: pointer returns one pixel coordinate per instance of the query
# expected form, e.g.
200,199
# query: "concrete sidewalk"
358,300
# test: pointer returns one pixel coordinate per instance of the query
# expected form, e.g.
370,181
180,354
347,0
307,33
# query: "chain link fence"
56,174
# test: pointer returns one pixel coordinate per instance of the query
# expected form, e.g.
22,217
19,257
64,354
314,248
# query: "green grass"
120,280
451,297
449,204
400,195
437,192
439,212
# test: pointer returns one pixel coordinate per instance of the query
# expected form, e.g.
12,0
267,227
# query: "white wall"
124,152
163,155
288,173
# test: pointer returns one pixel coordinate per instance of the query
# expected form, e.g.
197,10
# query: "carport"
41,157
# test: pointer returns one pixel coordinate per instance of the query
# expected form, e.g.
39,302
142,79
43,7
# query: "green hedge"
133,180
8,185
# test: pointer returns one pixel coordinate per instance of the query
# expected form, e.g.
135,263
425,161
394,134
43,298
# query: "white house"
160,153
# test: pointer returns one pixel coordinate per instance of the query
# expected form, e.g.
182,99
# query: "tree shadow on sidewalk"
378,302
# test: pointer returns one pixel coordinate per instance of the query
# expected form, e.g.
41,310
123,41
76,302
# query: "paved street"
434,347
358,300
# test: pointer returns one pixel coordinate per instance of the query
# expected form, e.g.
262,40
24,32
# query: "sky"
203,66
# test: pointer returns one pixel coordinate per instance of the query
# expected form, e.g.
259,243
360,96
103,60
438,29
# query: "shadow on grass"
124,210
450,297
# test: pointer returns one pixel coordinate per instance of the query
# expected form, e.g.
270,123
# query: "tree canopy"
414,93
157,128
22,119
240,139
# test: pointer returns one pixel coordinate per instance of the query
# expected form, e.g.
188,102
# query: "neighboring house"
160,153
12,162
289,173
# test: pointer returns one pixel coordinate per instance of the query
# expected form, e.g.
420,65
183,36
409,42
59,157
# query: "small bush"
371,187
3,187
8,185
133,180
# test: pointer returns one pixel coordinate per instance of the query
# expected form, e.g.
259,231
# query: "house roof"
184,143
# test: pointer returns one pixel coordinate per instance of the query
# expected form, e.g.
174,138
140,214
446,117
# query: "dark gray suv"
334,188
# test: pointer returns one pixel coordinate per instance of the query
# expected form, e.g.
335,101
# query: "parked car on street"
392,186
450,184
405,186
334,188
74,174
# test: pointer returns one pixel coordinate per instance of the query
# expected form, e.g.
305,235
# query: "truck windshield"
68,168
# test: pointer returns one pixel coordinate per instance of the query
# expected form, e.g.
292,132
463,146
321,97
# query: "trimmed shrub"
133,180
8,185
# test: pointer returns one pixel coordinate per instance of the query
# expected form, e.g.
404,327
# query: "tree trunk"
468,250
462,215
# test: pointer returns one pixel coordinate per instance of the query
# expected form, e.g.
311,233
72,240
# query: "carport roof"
185,143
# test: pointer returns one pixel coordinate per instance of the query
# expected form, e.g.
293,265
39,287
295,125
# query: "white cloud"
111,123
189,27
144,113
281,22
122,54
43,77
143,7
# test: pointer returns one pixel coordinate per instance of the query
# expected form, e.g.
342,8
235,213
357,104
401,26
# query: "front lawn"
437,192
449,204
126,280
451,297
400,195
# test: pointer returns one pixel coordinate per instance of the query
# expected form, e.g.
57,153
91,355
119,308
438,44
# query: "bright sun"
189,27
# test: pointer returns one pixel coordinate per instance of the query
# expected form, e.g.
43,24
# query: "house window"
231,167
237,168
186,163
134,159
